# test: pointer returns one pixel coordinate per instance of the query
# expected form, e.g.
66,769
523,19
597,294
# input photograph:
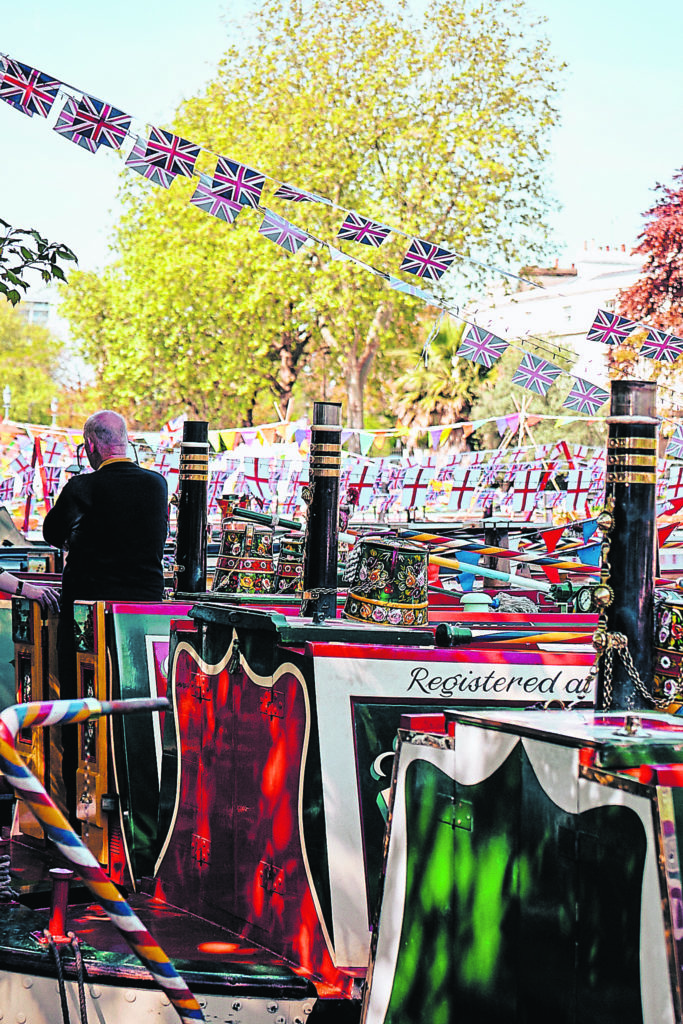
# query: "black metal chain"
80,976
54,948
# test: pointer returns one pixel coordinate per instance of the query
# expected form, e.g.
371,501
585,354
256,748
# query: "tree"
657,296
435,129
440,389
23,251
29,365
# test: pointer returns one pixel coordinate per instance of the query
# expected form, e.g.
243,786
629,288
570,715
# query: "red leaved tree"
656,298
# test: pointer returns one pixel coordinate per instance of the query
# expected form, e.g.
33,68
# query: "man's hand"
46,596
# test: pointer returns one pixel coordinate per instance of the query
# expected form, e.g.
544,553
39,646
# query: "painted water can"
668,668
389,586
290,565
245,560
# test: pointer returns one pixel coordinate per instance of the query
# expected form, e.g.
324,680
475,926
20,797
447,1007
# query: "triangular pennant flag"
552,573
466,580
590,555
588,528
664,531
365,439
551,537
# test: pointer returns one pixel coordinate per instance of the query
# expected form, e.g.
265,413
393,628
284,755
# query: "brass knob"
606,521
603,595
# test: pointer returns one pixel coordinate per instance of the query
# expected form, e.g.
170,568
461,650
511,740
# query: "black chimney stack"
629,545
190,569
319,598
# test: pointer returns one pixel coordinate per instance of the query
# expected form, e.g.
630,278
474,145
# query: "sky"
620,110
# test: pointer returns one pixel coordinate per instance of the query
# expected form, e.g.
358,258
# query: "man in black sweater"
113,525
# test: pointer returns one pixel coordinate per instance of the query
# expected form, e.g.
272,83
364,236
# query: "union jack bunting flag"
610,328
359,229
585,397
298,195
535,374
27,476
171,153
211,202
674,448
280,231
17,106
137,161
101,122
660,345
28,89
7,489
65,127
481,346
215,489
53,476
236,181
426,260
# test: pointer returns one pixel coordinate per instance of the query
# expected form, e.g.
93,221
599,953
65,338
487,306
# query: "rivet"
95,991
237,1005
21,1018
27,982
130,996
272,1007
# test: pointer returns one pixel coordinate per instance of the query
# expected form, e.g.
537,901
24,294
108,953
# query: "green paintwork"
526,914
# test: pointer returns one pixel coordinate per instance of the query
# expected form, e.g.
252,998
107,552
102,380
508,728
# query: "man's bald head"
106,436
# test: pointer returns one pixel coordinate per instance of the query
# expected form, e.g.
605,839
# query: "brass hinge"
201,687
201,849
458,815
271,878
273,703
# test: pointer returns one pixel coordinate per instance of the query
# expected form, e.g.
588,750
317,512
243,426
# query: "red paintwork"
242,749
490,654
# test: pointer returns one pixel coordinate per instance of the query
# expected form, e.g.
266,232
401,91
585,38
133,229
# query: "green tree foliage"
23,251
439,388
29,364
435,127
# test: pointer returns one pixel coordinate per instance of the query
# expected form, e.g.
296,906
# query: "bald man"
112,523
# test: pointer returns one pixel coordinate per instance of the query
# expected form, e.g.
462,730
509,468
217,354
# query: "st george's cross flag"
359,229
28,89
238,182
610,328
426,260
585,397
299,195
100,122
535,374
660,345
171,152
137,161
481,346
65,126
278,230
205,198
